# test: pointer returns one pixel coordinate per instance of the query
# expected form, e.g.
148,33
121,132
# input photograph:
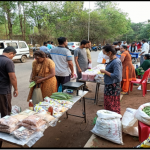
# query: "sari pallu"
128,72
49,86
112,97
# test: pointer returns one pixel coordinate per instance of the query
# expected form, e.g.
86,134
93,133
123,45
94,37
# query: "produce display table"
34,138
96,91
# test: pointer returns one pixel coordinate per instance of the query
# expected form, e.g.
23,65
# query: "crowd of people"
53,66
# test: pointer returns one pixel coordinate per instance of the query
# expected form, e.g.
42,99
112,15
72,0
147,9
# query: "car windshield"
70,44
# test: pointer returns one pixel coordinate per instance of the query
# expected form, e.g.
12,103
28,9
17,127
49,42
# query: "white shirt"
133,48
145,48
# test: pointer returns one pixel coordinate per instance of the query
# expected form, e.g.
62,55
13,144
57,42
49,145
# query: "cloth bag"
128,121
37,95
108,126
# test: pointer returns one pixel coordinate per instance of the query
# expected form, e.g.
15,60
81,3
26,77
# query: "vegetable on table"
147,110
61,96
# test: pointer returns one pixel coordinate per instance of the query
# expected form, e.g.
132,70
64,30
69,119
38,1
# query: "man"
88,52
52,44
49,45
45,49
124,43
63,62
145,50
81,60
7,80
133,48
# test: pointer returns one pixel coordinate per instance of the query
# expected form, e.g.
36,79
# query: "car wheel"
23,59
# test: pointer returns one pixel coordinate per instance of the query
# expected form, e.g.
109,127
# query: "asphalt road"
23,71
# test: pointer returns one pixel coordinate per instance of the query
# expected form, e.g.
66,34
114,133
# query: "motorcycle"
99,47
94,48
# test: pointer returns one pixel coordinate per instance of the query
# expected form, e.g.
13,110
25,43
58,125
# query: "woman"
112,79
128,73
139,46
43,71
146,63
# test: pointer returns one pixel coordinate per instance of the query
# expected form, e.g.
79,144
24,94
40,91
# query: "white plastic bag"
90,66
108,126
128,122
100,58
141,115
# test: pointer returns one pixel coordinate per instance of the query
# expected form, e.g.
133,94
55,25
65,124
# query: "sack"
108,126
37,96
128,122
141,115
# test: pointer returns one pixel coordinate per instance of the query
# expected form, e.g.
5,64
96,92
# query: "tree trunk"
104,42
6,27
9,24
20,18
24,38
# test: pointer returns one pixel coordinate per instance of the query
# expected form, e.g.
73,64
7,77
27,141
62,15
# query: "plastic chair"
144,131
142,81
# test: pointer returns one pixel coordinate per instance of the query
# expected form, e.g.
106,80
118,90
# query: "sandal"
124,93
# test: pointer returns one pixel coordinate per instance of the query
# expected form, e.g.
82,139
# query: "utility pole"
89,23
126,37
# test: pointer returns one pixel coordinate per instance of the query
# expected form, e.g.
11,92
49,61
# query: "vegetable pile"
61,96
147,110
32,84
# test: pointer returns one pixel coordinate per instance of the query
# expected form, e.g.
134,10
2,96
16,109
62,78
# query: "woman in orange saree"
128,72
43,71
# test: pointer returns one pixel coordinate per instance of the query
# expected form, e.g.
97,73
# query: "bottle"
30,105
60,88
50,110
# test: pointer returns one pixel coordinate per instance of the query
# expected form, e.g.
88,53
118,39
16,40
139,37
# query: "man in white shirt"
145,50
133,48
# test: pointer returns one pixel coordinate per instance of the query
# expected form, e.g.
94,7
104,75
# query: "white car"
72,46
20,46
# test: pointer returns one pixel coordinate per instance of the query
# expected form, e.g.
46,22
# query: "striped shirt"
61,56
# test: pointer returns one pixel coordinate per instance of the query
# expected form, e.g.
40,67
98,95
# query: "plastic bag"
128,122
33,120
27,112
9,130
144,144
108,126
141,115
8,121
22,133
19,117
90,66
100,58
15,110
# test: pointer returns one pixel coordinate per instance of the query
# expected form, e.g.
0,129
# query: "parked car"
20,46
72,46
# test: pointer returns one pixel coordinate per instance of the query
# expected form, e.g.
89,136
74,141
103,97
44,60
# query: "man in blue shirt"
49,45
45,49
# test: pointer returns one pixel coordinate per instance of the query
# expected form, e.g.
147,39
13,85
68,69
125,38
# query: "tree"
102,4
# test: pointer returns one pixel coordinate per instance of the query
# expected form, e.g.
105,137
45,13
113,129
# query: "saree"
128,72
49,86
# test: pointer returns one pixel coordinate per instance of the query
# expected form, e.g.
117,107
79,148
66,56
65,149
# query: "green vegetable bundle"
147,110
32,84
61,96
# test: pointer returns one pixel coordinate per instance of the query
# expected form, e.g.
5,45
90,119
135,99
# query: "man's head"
115,44
45,43
89,45
63,41
133,44
84,44
10,52
48,42
52,42
143,41
119,43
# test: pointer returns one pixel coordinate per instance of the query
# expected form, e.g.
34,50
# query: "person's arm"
122,57
30,77
13,81
71,68
89,56
52,73
143,50
136,48
76,61
117,69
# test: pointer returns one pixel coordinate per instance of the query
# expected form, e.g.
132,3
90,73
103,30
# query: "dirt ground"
74,133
